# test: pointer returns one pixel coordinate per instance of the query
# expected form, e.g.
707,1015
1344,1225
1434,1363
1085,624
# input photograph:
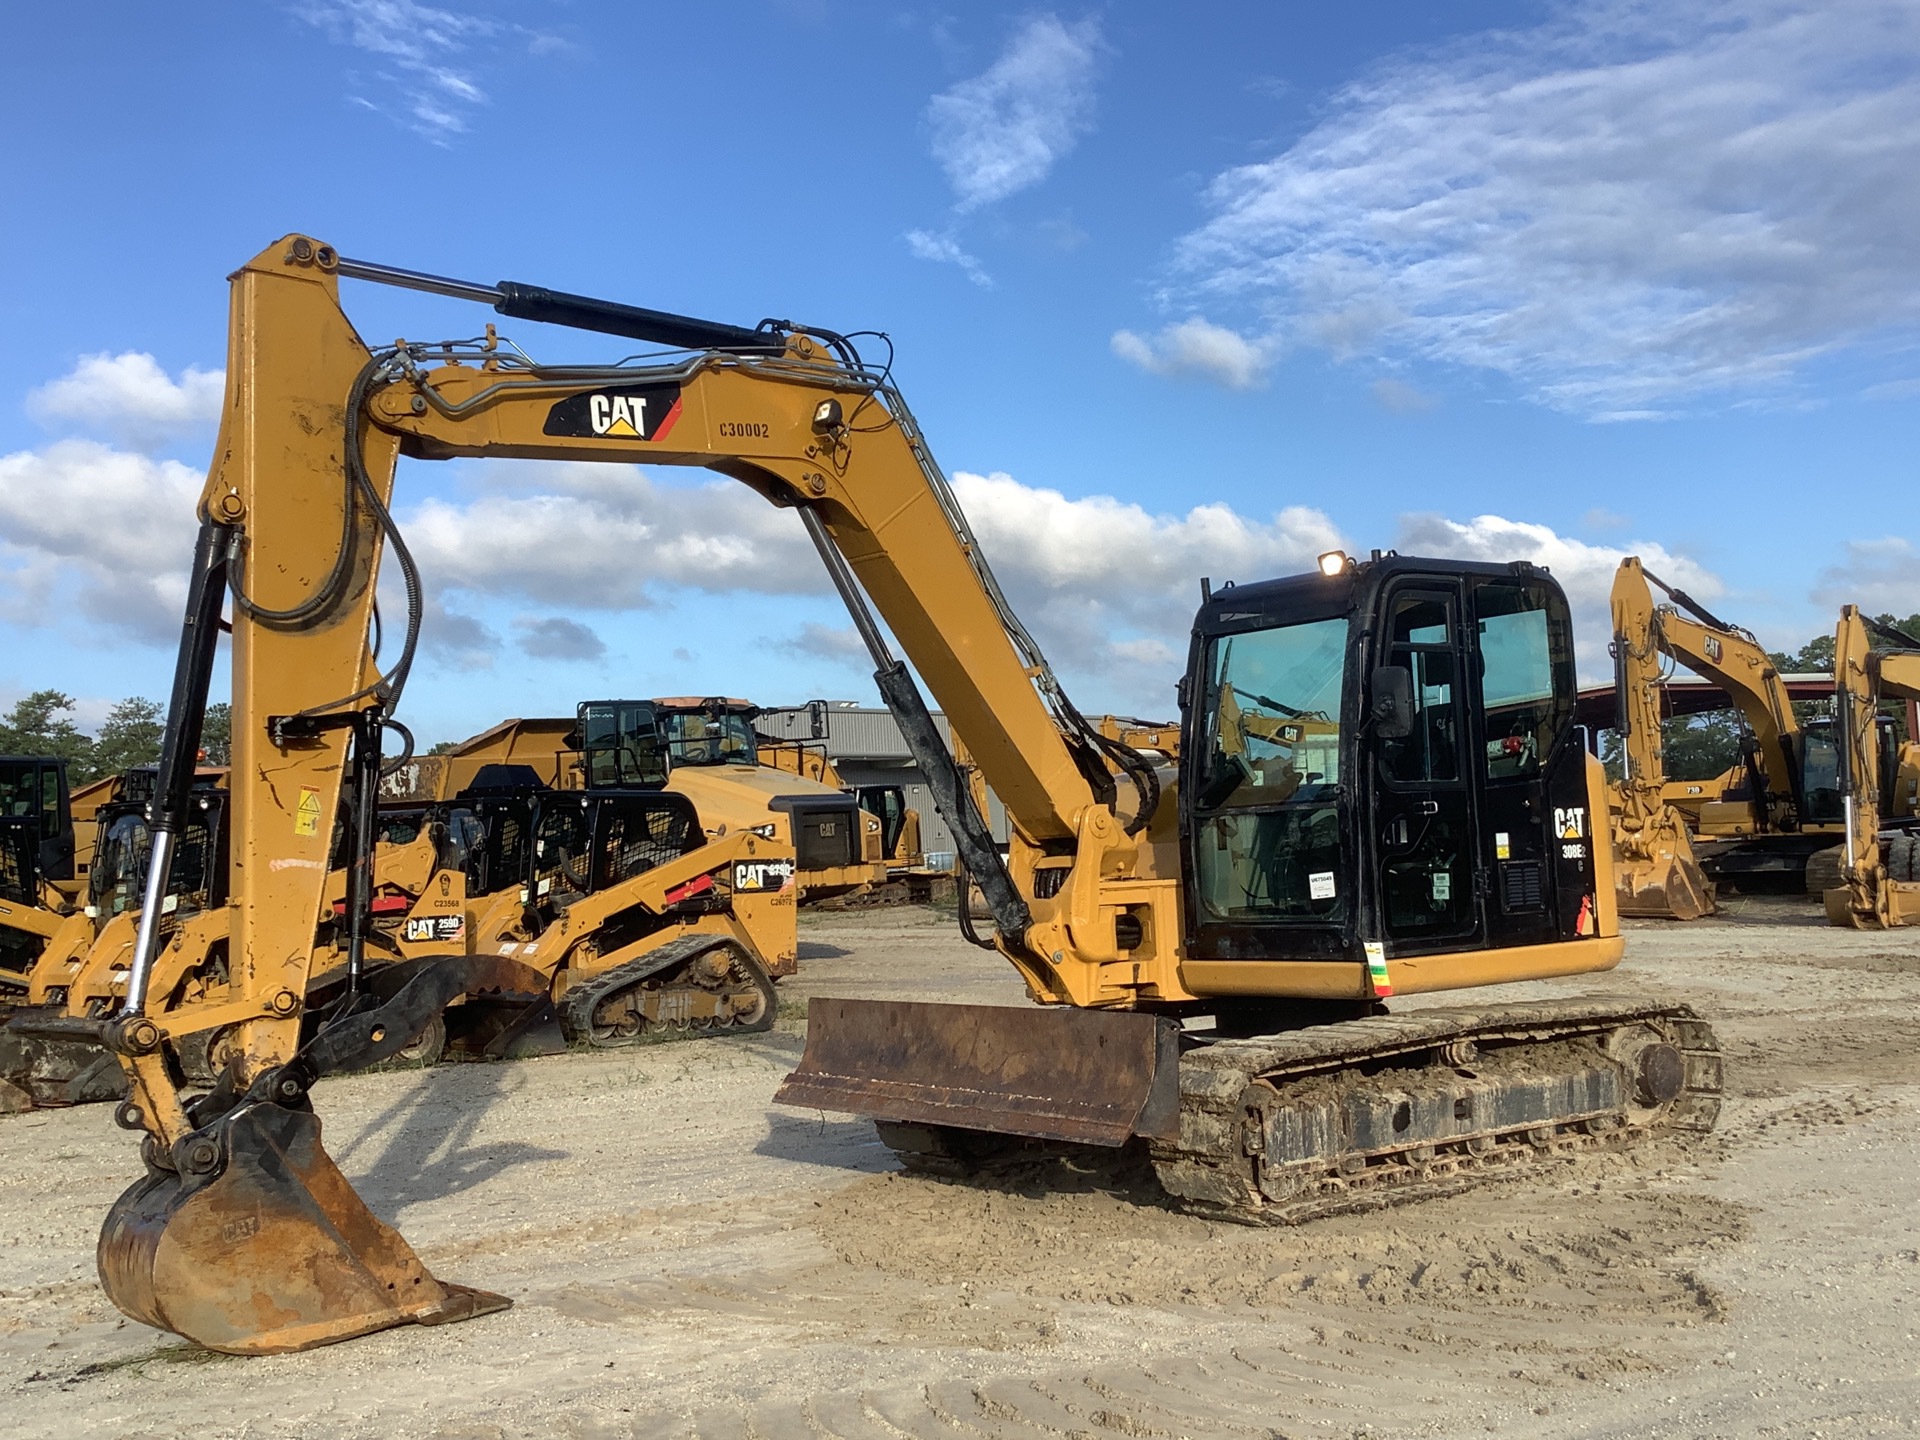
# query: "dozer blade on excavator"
1093,1077
245,1237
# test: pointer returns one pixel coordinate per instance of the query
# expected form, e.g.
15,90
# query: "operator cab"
1386,754
36,826
713,731
197,878
622,825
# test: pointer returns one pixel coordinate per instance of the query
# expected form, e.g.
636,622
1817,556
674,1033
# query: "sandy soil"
687,1259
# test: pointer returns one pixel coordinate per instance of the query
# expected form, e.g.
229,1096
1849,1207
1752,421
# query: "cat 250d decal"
621,412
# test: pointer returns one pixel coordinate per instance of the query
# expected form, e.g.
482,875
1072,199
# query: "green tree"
216,735
1692,747
129,736
36,726
443,747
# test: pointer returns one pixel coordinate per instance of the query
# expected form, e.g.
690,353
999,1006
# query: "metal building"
867,748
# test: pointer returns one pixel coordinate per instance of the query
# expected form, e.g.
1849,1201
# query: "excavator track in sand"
1281,1129
702,985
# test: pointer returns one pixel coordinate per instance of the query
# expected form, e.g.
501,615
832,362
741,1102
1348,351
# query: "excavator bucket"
1092,1076
245,1237
1664,887
258,1246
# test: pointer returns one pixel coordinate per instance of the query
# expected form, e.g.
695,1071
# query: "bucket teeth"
259,1245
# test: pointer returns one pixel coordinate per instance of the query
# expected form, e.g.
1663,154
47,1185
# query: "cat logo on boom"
619,412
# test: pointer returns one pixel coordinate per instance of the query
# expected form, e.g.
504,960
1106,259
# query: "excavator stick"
245,1237
1090,1076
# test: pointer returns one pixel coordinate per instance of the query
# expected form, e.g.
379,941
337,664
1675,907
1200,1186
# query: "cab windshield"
1267,802
696,738
119,877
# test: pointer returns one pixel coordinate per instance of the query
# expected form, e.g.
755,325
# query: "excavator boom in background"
1879,881
1380,789
1655,871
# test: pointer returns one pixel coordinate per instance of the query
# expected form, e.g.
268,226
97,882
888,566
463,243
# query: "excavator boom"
1655,869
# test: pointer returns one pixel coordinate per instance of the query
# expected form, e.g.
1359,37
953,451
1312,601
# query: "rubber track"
578,1004
1209,1170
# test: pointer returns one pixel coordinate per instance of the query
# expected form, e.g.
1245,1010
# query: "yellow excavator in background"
1655,872
1208,959
1879,879
1791,805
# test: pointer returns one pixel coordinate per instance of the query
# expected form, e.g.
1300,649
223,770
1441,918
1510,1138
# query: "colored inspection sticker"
306,814
1377,968
1501,849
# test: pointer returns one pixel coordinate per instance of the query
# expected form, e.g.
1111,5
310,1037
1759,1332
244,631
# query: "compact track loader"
1380,791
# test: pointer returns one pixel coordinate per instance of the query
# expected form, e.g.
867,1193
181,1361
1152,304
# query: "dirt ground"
687,1259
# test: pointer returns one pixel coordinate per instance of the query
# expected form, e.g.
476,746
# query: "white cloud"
129,397
1881,576
555,637
1623,210
1003,130
99,531
607,537
1105,583
1401,398
418,41
830,642
1196,347
1584,571
943,249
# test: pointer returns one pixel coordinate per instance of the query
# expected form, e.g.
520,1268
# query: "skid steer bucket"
1093,1076
266,1248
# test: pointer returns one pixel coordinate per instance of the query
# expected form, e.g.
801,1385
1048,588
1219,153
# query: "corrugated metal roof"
854,732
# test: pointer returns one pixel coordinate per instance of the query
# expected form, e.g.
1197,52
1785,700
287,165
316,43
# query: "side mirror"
1392,711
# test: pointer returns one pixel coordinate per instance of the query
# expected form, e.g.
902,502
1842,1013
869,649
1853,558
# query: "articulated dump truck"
1379,793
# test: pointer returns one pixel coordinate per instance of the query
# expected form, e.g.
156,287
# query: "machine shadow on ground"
426,1140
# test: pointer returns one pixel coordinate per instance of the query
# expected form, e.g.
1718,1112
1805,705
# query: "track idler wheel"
257,1245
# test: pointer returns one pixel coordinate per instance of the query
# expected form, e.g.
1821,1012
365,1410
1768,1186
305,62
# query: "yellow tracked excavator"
1380,791
1789,771
1879,859
1655,871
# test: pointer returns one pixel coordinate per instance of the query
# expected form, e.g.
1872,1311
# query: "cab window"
1526,676
1267,837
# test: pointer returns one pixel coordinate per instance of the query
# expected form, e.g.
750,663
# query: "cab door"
1424,803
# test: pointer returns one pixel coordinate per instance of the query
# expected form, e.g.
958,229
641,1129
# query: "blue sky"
1175,291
